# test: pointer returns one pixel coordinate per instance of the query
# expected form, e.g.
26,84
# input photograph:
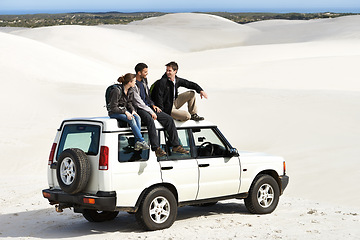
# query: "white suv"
94,169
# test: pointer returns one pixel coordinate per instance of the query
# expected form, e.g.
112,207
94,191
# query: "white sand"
288,88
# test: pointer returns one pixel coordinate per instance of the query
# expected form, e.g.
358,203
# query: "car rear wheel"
158,209
73,170
263,195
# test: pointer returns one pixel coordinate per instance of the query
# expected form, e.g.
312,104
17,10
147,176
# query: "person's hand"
128,115
154,116
157,109
203,94
135,113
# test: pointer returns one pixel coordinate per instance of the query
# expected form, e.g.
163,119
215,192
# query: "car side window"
208,143
126,152
183,140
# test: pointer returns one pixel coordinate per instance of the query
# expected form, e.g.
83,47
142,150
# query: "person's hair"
173,65
139,67
125,79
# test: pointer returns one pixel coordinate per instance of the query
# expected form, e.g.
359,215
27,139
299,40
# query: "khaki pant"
183,115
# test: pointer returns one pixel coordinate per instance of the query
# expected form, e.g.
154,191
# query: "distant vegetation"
253,17
41,20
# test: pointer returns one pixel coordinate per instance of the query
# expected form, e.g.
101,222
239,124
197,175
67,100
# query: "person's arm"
147,92
129,104
191,85
139,103
114,102
156,108
132,95
158,94
203,94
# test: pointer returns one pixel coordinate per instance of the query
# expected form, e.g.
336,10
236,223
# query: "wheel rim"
265,195
67,171
159,210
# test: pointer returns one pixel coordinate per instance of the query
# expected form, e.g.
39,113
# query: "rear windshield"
83,136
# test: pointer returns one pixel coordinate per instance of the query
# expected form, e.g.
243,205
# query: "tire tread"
250,202
147,224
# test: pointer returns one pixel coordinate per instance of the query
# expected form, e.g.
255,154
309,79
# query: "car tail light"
284,167
46,195
89,200
104,158
52,154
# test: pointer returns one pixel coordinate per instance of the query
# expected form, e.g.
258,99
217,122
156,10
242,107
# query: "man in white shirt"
165,95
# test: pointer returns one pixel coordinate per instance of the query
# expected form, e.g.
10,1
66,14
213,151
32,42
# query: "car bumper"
102,201
284,182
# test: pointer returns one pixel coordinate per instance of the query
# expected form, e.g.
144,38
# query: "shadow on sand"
46,223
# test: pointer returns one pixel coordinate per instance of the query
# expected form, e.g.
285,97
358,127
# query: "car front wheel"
263,195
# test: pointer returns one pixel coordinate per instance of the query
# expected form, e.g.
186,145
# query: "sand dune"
115,48
288,88
181,31
40,61
283,31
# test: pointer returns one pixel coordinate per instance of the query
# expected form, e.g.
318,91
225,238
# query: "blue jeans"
135,124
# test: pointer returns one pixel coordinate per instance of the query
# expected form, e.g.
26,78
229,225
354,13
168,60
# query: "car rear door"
132,171
86,137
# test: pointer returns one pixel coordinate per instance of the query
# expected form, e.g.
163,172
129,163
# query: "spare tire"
73,170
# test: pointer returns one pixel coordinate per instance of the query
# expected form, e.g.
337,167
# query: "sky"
281,6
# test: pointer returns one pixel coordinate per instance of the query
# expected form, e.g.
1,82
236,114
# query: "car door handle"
166,168
204,165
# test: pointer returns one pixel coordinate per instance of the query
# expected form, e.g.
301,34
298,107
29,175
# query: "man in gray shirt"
149,112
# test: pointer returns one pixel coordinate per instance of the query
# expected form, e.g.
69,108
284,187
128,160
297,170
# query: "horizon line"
283,11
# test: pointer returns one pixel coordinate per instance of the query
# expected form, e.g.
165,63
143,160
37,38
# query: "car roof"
111,124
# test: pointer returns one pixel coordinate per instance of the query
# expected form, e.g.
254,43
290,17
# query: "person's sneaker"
141,146
159,152
137,146
196,117
179,149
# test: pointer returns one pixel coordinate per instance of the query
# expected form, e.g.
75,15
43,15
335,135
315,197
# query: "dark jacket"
119,102
162,93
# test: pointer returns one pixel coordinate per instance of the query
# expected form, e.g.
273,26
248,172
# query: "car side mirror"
233,152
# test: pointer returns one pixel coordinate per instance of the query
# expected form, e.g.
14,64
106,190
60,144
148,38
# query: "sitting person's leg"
168,123
139,140
188,97
180,115
136,128
137,120
147,119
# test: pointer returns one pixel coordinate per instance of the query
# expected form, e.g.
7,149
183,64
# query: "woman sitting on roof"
121,108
